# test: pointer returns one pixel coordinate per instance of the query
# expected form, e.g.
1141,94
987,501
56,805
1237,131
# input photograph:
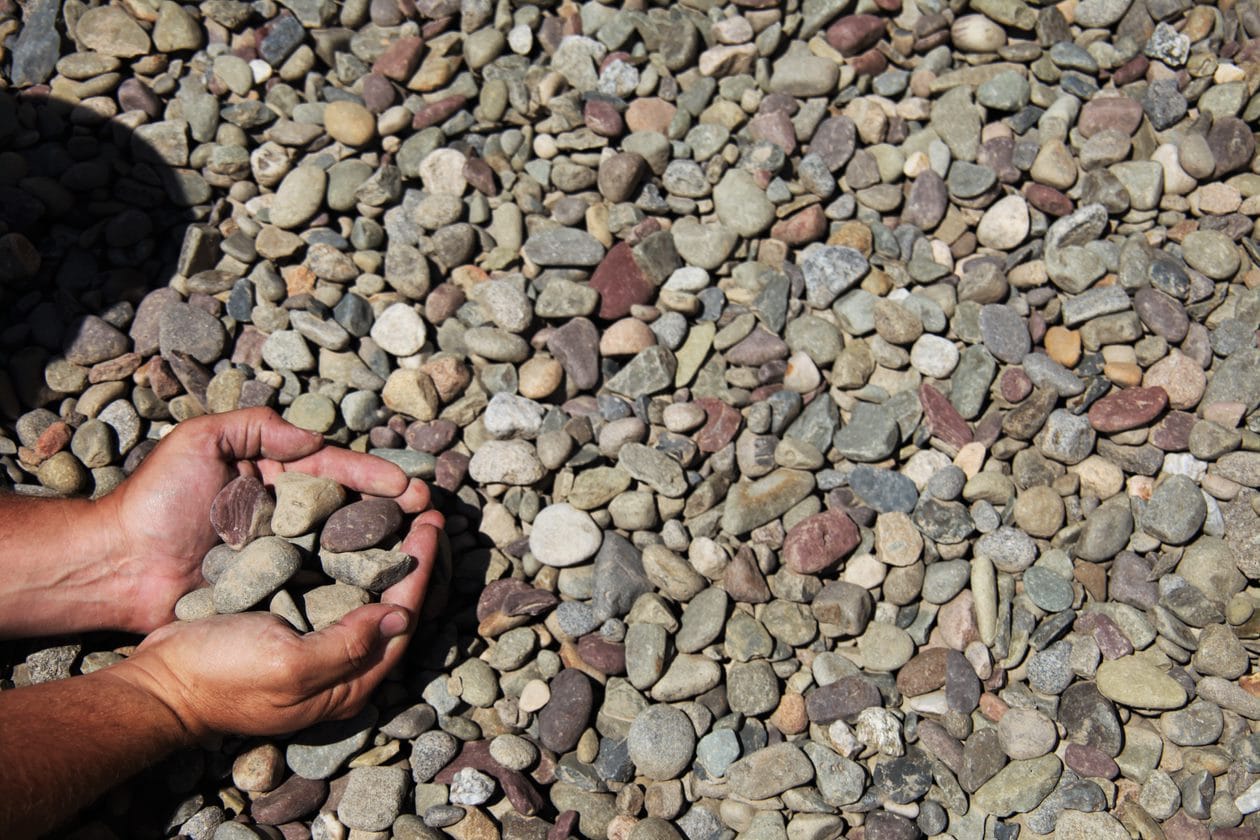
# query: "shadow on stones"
95,216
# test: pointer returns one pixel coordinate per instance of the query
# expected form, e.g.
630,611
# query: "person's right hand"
252,674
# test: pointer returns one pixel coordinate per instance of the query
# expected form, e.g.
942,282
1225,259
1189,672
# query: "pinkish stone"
650,114
620,282
720,428
438,112
942,419
241,512
1172,432
400,59
1014,385
818,542
1127,409
1119,113
1090,762
1047,199
602,118
774,127
853,34
808,225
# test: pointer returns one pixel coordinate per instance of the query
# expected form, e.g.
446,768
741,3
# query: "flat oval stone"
1128,408
819,542
1132,681
562,721
361,525
841,700
260,569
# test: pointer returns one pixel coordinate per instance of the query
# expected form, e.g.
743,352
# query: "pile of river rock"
844,411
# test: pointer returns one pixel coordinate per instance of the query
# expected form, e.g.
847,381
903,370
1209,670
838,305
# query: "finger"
415,498
258,433
422,542
356,470
354,648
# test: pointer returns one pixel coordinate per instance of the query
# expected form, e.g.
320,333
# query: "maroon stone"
248,347
1127,409
924,673
478,173
400,59
1132,70
451,470
721,427
757,348
853,34
1047,199
576,348
743,580
294,799
603,118
519,790
115,370
942,419
774,127
1111,641
620,282
438,112
818,542
1162,314
383,437
872,63
566,826
941,744
564,718
1172,432
378,94
241,512
52,440
432,437
442,302
809,225
1181,826
603,655
1232,144
834,141
962,686
841,700
135,95
1090,761
361,525
1119,113
1014,385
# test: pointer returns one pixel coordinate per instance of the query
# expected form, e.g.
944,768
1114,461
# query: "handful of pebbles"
306,554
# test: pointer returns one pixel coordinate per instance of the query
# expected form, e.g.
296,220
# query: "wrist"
150,689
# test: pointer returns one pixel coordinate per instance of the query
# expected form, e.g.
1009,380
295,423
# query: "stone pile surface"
844,411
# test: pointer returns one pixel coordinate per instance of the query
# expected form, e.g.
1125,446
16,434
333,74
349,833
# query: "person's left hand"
157,523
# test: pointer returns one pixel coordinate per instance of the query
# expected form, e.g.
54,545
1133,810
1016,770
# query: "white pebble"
934,356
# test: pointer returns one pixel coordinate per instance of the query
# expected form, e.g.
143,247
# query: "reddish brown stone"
576,347
241,512
942,419
1090,761
853,34
1127,409
115,370
721,427
51,441
442,302
438,112
562,721
294,799
1119,113
818,542
400,59
450,470
924,673
1181,826
1111,641
378,93
620,282
872,63
1172,432
774,127
478,173
566,826
361,525
1014,385
432,437
1047,199
603,655
603,118
808,225
516,786
650,114
1132,70
743,580
514,597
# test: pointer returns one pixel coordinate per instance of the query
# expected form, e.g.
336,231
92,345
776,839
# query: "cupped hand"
158,521
252,674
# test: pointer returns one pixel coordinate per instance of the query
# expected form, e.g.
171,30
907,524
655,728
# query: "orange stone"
298,279
1063,345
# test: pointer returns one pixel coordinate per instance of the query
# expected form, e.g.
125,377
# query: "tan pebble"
1124,374
1216,199
259,769
1141,486
1063,345
534,696
992,706
1219,487
1226,73
626,338
1180,376
621,826
970,458
1099,477
854,235
588,746
349,122
539,377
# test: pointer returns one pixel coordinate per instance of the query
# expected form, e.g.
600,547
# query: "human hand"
252,674
157,523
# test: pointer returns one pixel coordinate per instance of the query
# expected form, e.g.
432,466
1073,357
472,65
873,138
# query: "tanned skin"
121,563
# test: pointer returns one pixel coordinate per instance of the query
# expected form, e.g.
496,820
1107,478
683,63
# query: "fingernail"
394,624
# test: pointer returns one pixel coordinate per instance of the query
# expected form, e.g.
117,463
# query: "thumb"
261,432
354,646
